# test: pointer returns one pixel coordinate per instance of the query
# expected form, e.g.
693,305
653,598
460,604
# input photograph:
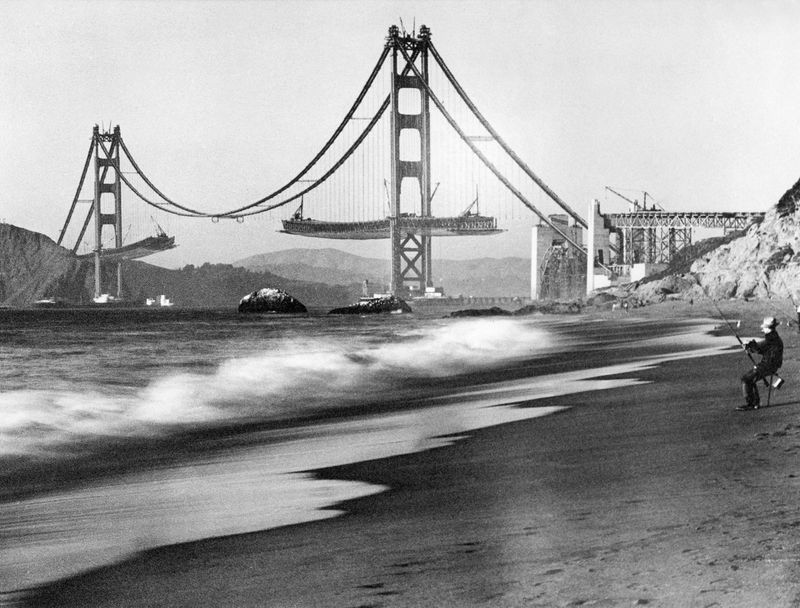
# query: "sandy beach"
658,494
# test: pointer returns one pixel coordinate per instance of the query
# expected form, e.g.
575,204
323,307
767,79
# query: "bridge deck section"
379,229
683,219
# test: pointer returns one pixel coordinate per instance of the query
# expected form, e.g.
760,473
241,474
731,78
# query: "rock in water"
494,311
391,304
270,300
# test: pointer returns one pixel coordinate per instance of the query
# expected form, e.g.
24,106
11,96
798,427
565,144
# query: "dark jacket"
771,351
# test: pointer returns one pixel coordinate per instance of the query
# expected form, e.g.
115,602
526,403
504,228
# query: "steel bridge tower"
106,181
411,253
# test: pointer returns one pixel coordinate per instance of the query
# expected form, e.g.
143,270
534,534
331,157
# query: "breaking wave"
286,378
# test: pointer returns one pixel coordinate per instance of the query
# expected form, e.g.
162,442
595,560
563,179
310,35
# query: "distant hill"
329,266
478,277
223,285
33,267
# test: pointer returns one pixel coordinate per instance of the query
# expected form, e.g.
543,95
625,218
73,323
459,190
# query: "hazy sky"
695,102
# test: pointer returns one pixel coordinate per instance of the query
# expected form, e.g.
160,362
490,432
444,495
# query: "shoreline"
439,546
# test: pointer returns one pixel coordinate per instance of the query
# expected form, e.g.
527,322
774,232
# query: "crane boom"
634,203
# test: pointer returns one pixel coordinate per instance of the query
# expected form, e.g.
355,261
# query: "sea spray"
285,377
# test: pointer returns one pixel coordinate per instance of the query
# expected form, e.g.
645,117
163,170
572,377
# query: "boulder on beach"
602,299
550,307
382,304
269,299
494,311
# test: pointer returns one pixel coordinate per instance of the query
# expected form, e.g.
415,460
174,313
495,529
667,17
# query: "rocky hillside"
33,267
762,262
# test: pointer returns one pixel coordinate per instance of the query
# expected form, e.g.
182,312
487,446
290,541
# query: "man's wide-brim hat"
769,323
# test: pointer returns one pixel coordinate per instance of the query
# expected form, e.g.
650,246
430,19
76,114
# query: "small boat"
46,302
162,301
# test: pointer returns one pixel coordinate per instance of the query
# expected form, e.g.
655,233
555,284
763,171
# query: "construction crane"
636,205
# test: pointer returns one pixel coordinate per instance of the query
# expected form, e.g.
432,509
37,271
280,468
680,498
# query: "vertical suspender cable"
486,161
502,143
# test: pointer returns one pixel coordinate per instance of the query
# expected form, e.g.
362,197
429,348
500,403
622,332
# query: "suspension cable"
236,212
500,140
192,212
483,158
160,206
77,192
322,179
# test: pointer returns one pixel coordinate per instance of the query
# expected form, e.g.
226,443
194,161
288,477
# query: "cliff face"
762,263
32,267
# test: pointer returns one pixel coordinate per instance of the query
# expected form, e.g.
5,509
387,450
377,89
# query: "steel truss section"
656,236
653,245
411,250
697,219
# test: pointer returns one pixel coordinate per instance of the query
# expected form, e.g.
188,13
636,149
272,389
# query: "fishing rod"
779,310
794,302
744,347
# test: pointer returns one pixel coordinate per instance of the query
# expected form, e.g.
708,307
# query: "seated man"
771,351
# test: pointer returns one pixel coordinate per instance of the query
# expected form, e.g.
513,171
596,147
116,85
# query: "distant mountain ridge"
483,277
34,267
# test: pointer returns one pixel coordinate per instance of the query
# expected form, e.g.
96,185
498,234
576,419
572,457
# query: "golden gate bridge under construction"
378,176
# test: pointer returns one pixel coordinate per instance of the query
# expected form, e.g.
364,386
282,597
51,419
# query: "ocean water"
73,379
122,430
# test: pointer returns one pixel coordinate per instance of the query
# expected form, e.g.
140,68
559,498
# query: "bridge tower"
411,253
106,182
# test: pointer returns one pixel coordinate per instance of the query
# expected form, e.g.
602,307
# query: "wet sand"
658,494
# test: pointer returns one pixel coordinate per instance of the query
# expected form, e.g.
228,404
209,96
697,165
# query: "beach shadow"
782,404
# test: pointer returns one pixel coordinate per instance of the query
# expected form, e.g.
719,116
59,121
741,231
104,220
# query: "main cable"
161,206
189,212
501,141
77,192
483,158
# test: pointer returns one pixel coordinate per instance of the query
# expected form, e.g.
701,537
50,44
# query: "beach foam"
287,378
